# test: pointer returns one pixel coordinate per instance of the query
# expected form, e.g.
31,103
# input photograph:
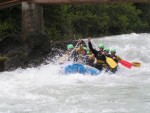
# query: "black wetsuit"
99,56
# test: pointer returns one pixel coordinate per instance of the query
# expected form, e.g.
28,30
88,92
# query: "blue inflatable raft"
80,68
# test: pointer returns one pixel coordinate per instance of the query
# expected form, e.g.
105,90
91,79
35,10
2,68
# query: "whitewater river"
45,90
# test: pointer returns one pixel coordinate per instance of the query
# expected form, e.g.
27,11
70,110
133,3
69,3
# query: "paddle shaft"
136,64
73,49
94,44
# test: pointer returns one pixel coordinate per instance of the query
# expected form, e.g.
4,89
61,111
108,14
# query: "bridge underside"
87,1
8,3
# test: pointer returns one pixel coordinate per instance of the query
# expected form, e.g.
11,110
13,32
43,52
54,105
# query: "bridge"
32,11
8,3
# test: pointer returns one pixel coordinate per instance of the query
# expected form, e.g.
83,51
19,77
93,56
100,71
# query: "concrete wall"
32,18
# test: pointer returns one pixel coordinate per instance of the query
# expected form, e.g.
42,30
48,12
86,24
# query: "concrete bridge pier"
32,19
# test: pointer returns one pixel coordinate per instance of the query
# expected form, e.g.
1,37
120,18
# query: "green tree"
145,16
56,23
106,19
10,21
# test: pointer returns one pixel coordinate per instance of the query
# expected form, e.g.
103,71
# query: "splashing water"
46,90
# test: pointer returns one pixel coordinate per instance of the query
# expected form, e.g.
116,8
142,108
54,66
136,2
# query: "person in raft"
99,55
115,58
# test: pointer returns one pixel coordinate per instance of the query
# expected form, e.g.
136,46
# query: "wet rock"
37,49
24,54
10,43
2,61
38,44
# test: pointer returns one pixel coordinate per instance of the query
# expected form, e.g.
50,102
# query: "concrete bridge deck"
8,3
87,1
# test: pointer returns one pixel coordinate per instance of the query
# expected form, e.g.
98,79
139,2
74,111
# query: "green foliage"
106,19
145,16
2,59
63,21
56,23
5,29
10,21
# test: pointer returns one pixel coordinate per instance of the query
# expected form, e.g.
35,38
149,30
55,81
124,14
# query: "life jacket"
101,60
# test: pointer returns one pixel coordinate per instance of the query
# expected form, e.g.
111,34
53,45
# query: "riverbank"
15,53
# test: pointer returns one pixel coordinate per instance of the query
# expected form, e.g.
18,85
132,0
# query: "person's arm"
115,58
79,49
118,58
92,50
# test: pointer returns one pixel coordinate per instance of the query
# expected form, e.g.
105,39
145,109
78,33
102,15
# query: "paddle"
110,61
129,65
126,64
73,49
136,64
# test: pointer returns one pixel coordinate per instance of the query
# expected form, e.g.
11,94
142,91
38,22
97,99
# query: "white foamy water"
45,90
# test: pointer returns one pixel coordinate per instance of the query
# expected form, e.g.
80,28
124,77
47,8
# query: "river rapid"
46,90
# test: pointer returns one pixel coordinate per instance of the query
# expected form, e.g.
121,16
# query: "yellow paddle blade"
136,64
111,62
